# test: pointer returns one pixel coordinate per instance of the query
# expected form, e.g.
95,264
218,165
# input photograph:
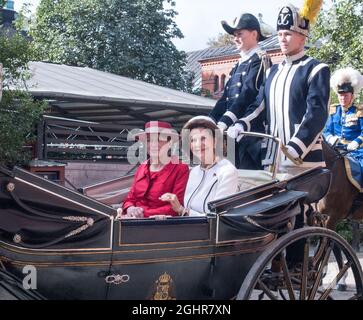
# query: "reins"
338,154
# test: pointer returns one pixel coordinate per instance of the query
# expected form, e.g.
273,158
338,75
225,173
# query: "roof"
88,94
195,57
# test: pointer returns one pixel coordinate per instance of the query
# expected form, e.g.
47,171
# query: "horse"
341,200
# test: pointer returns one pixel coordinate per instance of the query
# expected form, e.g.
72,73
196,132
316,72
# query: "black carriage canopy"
39,213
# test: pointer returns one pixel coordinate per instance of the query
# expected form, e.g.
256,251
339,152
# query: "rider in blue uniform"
345,123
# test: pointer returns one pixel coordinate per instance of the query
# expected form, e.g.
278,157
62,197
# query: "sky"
200,20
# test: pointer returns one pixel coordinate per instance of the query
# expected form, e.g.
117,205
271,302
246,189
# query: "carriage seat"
113,198
248,179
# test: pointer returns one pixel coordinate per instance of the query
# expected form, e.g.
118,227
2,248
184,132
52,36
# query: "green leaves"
129,38
340,32
18,115
223,39
18,112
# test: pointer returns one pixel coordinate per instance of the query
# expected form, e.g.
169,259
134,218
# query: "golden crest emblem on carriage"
163,288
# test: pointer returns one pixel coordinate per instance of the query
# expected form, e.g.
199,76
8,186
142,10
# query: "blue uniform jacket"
240,91
294,107
347,124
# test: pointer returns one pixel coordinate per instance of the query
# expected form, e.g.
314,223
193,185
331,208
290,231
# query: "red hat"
161,127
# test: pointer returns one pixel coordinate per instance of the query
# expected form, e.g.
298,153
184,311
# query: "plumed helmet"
291,18
347,80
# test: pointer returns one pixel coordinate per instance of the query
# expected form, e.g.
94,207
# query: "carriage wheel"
274,277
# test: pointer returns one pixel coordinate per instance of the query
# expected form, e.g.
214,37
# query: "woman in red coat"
156,176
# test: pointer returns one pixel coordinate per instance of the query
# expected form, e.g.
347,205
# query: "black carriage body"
80,251
48,226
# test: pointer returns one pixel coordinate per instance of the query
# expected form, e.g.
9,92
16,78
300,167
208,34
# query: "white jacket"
205,185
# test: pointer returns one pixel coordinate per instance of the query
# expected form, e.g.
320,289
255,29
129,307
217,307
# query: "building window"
216,83
223,81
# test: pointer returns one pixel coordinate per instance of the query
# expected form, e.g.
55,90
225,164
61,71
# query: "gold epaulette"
360,111
333,109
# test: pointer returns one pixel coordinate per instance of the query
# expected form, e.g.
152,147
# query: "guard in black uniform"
243,86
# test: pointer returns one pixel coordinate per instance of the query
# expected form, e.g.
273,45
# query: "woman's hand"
173,200
134,212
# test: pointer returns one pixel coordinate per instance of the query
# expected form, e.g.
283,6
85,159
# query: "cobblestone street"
332,271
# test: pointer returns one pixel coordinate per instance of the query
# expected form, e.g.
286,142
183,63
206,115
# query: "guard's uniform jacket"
241,89
347,124
294,106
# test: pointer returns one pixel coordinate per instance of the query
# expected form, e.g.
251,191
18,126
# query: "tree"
223,39
129,38
18,112
339,31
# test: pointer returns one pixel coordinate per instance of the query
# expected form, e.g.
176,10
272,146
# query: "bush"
345,229
18,118
18,112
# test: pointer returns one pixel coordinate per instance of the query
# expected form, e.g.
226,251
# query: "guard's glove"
222,126
236,131
333,140
352,146
291,154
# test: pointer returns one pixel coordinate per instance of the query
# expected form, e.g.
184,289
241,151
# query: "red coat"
149,186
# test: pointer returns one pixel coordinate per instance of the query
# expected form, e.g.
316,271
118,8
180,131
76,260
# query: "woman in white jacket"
214,178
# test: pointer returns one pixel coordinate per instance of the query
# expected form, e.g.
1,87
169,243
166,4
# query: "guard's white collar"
245,55
291,59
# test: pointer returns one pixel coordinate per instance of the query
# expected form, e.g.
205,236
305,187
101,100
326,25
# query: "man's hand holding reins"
354,145
333,140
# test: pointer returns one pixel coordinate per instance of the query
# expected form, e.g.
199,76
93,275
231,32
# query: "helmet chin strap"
350,102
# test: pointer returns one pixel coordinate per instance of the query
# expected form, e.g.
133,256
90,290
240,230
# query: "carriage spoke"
319,253
304,272
266,290
319,275
282,294
341,273
287,278
319,259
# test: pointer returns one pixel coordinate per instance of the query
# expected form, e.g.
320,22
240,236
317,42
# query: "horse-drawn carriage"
242,250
